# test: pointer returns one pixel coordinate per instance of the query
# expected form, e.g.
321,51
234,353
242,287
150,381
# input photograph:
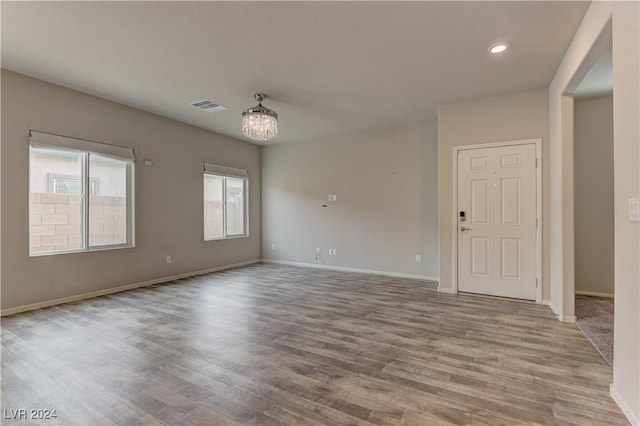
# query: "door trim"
454,229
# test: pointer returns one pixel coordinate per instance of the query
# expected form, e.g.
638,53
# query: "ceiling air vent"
208,105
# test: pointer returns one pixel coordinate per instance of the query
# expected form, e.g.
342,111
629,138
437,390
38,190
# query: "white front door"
497,221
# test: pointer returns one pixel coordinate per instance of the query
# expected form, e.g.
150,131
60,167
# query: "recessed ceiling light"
499,47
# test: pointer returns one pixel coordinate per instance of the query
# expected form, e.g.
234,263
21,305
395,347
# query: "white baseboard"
40,305
446,290
345,269
591,293
561,317
623,406
571,318
553,308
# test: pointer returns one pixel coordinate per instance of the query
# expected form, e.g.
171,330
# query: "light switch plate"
634,209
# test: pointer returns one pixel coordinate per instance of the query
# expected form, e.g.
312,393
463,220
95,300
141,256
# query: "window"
225,202
64,184
80,195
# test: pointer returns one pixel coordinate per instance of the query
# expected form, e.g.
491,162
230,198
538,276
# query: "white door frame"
454,229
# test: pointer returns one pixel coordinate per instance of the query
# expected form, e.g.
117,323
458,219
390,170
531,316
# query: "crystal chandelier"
259,123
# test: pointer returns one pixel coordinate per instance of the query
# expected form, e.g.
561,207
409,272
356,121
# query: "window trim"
103,150
228,172
52,178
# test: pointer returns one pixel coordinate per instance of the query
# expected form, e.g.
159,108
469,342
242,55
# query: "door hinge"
536,162
536,283
536,222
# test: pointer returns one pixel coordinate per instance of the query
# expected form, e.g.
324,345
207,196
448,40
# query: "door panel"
480,163
497,239
510,198
479,256
480,201
507,161
510,258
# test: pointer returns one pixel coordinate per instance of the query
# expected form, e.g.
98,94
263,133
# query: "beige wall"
385,213
624,17
503,118
593,174
168,204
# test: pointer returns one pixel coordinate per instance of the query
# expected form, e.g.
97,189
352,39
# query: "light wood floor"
270,344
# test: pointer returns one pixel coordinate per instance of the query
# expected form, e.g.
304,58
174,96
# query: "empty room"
320,213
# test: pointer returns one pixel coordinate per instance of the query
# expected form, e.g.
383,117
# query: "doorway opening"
594,204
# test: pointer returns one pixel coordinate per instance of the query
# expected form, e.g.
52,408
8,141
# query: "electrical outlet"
168,259
317,250
273,246
335,251
418,258
335,197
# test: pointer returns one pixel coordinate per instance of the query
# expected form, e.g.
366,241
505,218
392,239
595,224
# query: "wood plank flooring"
272,344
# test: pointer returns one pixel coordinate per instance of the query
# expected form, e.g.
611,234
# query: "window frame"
227,172
53,178
85,183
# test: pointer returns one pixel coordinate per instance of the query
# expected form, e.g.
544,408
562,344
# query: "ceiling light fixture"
259,123
499,47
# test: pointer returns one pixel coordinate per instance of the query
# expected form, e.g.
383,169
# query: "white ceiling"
328,67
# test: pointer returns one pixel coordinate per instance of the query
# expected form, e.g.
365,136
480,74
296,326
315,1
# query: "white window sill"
230,237
93,249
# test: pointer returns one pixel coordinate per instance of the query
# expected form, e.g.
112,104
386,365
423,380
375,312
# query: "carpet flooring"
595,319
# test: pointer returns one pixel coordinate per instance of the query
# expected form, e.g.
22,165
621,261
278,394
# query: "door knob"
462,228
